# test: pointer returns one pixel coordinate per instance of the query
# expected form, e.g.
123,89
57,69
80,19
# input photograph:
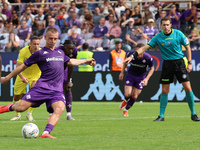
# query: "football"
30,130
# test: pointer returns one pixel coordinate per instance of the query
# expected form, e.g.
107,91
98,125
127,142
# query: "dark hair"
165,19
118,42
34,38
85,45
88,17
68,42
140,45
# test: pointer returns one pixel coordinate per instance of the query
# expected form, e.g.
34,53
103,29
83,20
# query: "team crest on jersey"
169,42
45,52
184,76
187,41
28,96
144,61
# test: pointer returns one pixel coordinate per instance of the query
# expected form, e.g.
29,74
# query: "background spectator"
6,11
85,54
76,38
73,20
1,26
39,30
40,14
83,8
194,40
2,16
12,43
97,16
104,8
15,20
137,16
52,24
120,7
175,16
147,16
24,32
133,36
189,19
117,57
158,21
100,29
150,30
157,15
7,27
87,25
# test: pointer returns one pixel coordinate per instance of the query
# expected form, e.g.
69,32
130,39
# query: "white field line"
129,118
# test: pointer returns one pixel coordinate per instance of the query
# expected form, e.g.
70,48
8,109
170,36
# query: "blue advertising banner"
102,59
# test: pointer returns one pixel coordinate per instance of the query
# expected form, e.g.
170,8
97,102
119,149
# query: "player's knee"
165,91
134,96
59,109
19,108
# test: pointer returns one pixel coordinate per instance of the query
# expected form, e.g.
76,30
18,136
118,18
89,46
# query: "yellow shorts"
20,87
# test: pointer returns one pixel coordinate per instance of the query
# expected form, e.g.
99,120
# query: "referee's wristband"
135,54
189,62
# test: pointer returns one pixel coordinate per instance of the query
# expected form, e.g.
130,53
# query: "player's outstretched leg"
69,99
17,115
6,108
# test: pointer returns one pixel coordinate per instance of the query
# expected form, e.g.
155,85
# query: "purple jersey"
139,66
172,17
151,32
187,13
100,31
73,55
51,64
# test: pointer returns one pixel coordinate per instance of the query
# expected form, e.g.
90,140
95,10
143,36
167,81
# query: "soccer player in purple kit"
49,87
136,78
71,51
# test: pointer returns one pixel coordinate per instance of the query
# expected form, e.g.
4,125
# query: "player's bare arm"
15,72
138,52
150,73
189,57
76,62
24,79
121,75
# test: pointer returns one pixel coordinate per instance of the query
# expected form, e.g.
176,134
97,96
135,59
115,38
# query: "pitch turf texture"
101,126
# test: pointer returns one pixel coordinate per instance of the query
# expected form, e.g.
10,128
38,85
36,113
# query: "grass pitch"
101,126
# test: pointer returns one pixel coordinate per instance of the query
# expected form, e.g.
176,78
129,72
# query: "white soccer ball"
30,130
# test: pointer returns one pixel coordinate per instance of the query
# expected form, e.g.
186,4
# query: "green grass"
101,126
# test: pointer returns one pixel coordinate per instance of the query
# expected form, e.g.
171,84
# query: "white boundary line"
124,118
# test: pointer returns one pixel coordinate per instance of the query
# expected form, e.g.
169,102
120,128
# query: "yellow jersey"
33,72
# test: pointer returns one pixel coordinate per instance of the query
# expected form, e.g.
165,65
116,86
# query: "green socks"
163,104
190,100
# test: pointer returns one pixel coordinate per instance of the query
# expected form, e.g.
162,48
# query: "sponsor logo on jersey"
45,52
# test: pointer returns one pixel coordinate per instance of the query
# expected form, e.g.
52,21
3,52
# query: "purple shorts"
134,81
38,96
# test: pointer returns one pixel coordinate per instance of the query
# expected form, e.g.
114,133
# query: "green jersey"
170,46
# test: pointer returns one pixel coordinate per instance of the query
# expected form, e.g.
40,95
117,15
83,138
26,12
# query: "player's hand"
145,82
25,80
127,60
189,68
4,80
91,62
121,76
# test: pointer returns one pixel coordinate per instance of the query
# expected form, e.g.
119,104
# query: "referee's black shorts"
171,68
